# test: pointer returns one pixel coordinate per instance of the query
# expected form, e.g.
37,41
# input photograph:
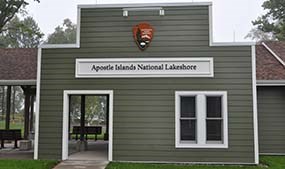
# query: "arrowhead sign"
143,34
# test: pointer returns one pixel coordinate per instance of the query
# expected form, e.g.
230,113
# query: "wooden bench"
12,134
87,130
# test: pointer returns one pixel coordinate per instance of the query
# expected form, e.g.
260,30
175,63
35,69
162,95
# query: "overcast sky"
232,18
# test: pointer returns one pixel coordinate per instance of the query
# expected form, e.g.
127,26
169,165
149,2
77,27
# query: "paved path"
73,164
10,153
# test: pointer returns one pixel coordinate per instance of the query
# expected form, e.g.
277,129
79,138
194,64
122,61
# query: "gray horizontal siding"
144,107
271,115
119,29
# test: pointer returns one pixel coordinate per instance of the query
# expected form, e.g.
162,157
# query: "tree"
63,34
21,33
3,108
17,100
8,9
258,35
95,110
273,22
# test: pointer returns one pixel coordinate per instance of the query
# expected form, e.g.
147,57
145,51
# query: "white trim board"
270,82
66,93
254,97
37,114
18,82
141,5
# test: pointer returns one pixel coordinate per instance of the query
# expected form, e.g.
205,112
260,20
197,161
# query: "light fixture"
127,10
161,12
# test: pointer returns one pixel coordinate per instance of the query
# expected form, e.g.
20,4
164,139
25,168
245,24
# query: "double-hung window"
201,119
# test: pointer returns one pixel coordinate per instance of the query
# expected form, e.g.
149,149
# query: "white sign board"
144,67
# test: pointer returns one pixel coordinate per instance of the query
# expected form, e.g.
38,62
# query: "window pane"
188,130
214,106
95,110
75,111
188,106
214,130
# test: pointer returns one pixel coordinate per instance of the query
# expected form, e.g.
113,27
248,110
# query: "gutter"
17,82
270,83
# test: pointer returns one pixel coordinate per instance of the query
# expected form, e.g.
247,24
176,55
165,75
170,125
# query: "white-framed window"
201,119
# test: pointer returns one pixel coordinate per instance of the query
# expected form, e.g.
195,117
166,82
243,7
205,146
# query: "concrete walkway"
96,157
72,164
9,152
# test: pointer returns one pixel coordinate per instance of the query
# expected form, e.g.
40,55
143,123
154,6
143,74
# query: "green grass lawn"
27,164
267,162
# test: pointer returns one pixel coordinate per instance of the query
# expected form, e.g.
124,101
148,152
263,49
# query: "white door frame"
65,131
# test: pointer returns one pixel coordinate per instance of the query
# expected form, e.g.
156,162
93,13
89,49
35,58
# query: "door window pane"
188,106
214,130
188,130
95,110
214,106
75,111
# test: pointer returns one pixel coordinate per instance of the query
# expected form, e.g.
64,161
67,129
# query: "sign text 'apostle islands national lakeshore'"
144,67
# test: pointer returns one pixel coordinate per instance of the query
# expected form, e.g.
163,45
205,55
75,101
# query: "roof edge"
270,82
144,5
18,82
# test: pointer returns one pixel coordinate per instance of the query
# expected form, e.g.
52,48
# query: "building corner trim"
255,113
37,115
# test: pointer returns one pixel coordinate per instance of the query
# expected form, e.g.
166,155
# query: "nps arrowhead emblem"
143,34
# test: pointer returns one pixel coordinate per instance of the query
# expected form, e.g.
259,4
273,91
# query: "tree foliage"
8,9
21,33
273,22
95,110
258,35
64,34
17,101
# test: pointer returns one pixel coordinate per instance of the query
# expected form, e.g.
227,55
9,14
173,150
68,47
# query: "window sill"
181,145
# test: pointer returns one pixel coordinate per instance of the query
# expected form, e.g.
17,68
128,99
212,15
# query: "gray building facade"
193,118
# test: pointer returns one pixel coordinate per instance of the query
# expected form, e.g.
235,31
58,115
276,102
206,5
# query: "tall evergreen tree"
273,22
21,33
8,9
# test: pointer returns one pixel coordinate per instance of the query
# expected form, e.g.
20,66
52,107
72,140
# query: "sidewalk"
73,164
